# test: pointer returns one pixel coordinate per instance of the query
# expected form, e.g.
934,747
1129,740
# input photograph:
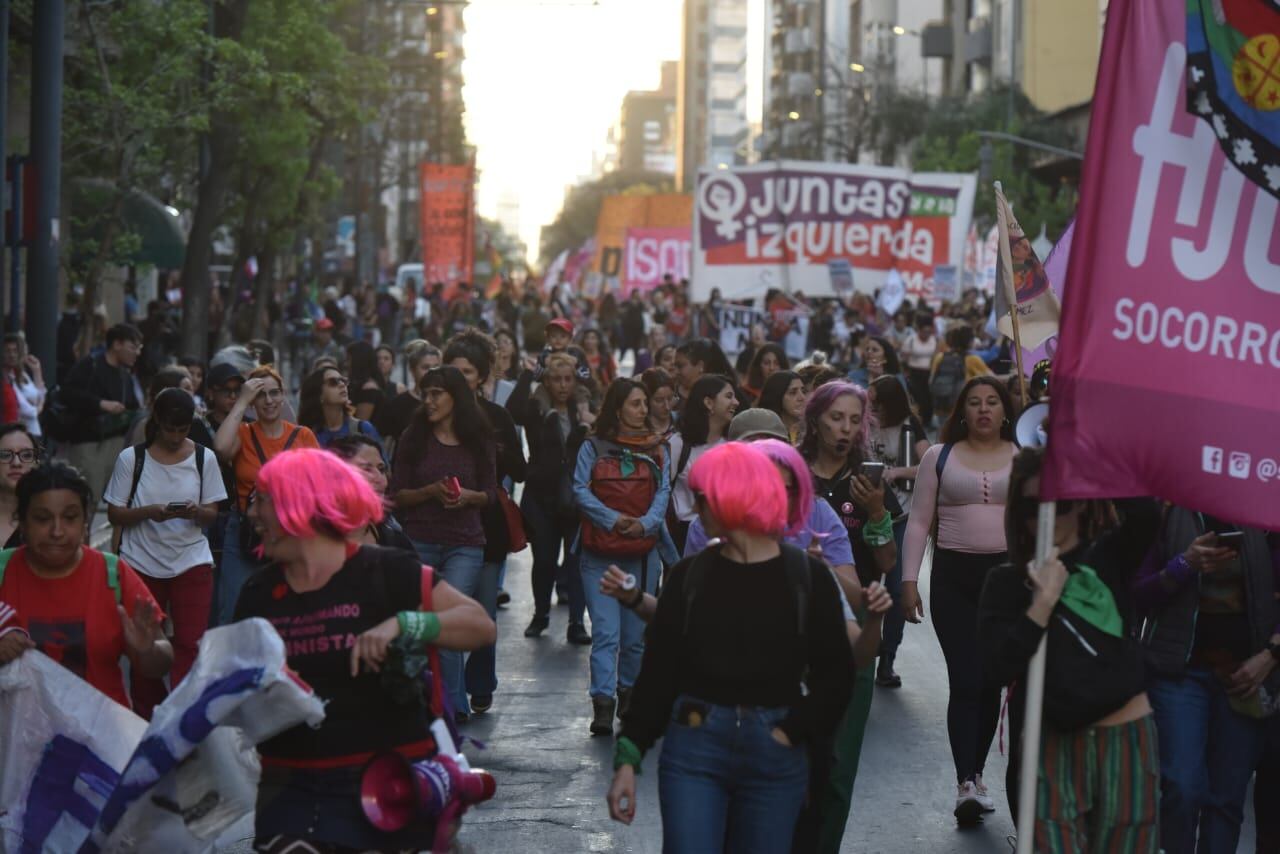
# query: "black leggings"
548,531
973,708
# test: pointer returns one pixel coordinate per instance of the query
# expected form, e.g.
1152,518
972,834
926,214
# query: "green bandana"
1088,597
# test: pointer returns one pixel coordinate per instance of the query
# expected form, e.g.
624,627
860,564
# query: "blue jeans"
617,634
462,567
233,571
482,665
1208,753
726,784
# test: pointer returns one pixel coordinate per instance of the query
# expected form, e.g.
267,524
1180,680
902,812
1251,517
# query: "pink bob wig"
822,399
742,489
787,457
317,492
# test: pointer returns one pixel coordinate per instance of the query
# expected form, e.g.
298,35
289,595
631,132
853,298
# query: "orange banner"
448,223
619,213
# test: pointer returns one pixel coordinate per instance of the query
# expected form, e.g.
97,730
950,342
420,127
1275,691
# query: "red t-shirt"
73,620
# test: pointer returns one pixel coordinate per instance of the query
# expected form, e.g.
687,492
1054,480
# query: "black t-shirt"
319,628
837,493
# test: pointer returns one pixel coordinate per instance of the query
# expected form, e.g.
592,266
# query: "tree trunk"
228,22
264,287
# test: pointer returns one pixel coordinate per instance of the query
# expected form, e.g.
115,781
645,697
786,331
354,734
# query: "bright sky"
545,81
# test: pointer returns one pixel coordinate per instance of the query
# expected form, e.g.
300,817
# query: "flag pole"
1030,764
1011,296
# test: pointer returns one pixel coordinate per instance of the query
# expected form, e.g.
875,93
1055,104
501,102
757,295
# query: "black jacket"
551,454
87,385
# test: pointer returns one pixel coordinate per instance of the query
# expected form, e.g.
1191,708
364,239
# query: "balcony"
936,41
978,41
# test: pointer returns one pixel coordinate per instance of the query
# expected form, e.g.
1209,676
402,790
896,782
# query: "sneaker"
481,703
504,598
968,807
577,635
537,626
988,805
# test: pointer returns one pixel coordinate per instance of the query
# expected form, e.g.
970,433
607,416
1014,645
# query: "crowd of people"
741,543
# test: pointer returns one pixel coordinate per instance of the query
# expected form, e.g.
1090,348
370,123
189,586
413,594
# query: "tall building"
711,101
646,133
1049,48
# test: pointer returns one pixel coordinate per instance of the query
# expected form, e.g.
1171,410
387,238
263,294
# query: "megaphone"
1032,427
394,792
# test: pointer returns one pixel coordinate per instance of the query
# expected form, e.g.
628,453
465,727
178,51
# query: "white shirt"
30,399
681,494
165,549
919,354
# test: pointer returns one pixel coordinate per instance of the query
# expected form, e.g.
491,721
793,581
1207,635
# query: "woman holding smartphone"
837,421
963,484
161,503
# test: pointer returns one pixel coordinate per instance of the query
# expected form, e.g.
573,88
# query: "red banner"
447,208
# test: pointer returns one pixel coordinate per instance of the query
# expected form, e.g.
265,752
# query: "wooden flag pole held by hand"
1011,293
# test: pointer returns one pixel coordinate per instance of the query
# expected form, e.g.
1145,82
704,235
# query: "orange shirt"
247,461
73,619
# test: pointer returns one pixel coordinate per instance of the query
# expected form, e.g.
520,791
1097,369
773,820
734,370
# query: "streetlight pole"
46,156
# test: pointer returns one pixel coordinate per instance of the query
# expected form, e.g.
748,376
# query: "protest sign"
841,272
618,213
448,222
1171,311
892,294
946,283
735,327
777,224
652,253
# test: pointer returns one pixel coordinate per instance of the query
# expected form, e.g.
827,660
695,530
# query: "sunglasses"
26,455
335,382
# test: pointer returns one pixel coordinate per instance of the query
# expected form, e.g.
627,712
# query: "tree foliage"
576,221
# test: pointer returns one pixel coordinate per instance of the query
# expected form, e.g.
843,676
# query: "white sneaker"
968,807
988,805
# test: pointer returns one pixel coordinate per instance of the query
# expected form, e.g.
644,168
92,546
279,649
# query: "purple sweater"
422,460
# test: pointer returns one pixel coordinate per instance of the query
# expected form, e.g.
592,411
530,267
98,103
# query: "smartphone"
873,472
175,506
453,487
1231,540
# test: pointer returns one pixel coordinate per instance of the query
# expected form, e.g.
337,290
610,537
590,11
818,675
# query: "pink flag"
1169,356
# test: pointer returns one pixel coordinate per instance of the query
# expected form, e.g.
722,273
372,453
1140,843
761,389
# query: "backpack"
624,480
139,460
113,571
795,562
947,380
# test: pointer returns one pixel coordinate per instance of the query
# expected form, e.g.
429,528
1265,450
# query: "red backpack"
625,480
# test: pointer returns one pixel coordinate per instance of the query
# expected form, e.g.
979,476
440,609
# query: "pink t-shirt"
970,509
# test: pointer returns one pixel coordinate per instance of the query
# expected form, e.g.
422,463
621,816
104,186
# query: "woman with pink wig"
836,447
339,606
737,628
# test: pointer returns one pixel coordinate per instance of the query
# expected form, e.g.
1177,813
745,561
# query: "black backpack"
140,460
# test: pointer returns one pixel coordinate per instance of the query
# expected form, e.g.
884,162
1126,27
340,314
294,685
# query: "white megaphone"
1032,430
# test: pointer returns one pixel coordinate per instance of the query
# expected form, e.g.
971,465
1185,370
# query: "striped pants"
1099,790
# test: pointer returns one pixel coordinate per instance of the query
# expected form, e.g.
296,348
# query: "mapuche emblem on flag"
1233,81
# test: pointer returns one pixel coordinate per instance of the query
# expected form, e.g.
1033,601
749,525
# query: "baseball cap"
757,424
561,323
324,323
220,375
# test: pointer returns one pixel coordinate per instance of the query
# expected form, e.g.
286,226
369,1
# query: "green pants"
834,800
1099,790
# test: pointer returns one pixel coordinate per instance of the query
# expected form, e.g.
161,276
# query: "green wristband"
876,534
625,752
421,626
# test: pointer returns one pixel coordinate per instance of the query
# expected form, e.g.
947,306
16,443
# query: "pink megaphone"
395,791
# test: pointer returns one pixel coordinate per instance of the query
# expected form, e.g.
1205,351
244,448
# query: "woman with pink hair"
836,447
736,629
339,607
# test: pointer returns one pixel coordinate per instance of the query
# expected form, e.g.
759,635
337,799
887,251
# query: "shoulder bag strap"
796,563
257,446
139,460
